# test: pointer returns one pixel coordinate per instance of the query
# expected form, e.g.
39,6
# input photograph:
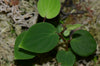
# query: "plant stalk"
44,19
61,36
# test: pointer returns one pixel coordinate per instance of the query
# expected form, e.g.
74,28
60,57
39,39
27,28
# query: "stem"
44,19
61,36
64,26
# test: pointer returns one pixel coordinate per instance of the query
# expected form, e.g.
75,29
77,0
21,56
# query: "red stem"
61,36
44,19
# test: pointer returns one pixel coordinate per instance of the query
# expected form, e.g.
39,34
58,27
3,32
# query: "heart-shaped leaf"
83,43
40,38
66,58
19,53
49,8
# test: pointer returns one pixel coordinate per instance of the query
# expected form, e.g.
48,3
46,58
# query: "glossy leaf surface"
19,53
40,38
66,58
83,43
49,8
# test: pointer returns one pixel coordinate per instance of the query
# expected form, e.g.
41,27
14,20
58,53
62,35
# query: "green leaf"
66,58
72,27
66,32
19,53
62,22
40,38
49,8
83,43
59,28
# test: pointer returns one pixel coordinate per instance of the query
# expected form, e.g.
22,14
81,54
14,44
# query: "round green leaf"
20,54
40,38
67,32
83,43
66,58
49,8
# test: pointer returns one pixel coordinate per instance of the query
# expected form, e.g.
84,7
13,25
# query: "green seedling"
43,37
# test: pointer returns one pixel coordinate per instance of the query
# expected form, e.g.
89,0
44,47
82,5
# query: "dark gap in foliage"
24,62
45,57
40,59
76,35
54,21
24,28
27,18
89,58
26,52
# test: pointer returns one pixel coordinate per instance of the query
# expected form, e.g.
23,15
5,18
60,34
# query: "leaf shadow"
53,21
76,35
40,58
27,52
24,62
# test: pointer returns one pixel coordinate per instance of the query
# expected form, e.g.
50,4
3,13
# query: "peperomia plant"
43,37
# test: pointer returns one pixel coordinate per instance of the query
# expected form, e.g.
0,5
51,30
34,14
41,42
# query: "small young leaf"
59,28
72,27
40,38
66,32
21,54
62,22
66,58
83,43
49,8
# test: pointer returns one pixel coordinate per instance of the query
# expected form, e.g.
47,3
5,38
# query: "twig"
61,36
44,19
